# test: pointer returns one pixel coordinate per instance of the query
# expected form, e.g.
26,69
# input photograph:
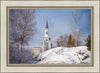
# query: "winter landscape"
50,36
63,55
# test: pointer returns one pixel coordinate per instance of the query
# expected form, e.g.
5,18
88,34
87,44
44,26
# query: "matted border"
51,7
50,72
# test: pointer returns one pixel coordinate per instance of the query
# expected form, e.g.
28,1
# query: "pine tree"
88,42
70,41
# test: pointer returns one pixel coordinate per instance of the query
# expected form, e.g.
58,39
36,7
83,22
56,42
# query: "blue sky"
59,22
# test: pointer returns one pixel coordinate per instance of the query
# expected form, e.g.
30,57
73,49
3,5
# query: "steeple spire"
46,22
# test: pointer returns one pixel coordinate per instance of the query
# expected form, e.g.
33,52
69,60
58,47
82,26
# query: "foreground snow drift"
65,55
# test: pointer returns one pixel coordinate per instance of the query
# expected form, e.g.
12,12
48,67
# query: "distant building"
46,45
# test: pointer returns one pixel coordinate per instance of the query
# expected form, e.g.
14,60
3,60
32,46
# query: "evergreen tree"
70,41
88,42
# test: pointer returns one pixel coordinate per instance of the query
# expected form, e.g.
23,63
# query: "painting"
50,36
53,36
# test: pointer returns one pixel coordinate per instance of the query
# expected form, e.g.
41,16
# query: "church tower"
46,40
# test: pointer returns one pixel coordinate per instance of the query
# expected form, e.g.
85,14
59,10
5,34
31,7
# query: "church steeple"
46,40
46,22
46,45
46,28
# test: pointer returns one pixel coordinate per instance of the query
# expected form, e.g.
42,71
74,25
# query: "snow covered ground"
65,55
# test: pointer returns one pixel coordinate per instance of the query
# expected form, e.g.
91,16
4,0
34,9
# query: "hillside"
65,55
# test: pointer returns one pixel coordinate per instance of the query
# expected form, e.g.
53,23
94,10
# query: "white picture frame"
67,69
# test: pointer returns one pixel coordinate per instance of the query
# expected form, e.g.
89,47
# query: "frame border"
49,0
51,7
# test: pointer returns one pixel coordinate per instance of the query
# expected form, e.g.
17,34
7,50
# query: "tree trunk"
21,47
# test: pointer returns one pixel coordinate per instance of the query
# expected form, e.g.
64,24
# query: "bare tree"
22,25
80,36
28,26
62,41
76,31
13,27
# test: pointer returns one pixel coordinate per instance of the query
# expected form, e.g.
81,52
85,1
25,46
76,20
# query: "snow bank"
65,55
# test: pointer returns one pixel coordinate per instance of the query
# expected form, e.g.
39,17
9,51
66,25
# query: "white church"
46,45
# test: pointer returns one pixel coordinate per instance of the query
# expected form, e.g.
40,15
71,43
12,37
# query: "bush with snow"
65,55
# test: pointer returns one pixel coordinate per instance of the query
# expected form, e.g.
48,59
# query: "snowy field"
65,55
